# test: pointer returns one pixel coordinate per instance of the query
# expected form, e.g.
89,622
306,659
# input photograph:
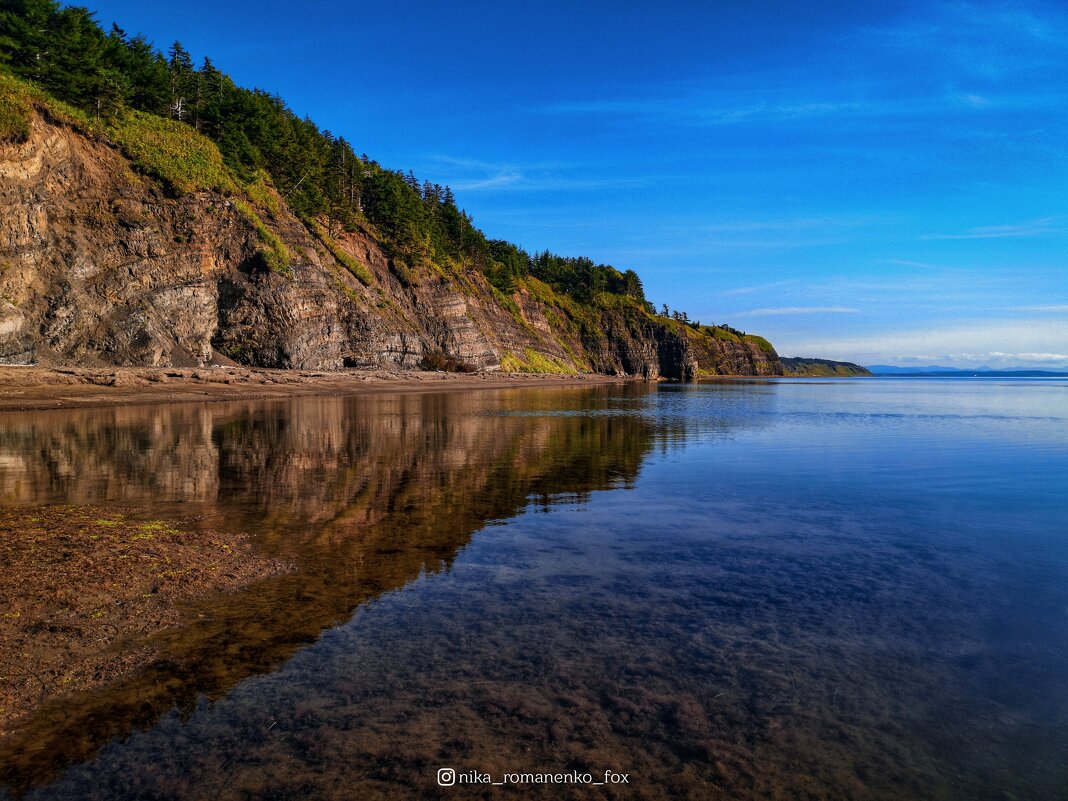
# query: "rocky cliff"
104,262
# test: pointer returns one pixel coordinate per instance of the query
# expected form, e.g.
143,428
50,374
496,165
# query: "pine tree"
24,35
183,81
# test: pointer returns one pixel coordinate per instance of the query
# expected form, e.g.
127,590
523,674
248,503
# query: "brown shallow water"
84,588
746,590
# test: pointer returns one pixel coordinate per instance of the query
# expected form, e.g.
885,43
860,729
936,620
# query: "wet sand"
32,388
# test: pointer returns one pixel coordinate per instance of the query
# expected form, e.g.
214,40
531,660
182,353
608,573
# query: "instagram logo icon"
446,777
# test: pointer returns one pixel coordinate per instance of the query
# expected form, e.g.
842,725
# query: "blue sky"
879,182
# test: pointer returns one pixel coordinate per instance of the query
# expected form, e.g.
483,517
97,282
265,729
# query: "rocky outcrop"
822,368
101,265
658,348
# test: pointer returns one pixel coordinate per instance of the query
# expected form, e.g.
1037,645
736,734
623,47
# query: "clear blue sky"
880,182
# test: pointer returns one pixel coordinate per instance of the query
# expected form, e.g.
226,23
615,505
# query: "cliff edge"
131,243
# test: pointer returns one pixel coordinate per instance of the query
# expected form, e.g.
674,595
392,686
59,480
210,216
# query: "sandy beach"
32,388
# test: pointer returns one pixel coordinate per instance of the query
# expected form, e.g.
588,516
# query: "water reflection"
362,495
754,591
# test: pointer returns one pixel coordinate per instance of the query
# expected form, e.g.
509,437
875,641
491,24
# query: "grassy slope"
166,150
822,368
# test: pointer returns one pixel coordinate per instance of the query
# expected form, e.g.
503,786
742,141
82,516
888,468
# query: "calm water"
746,590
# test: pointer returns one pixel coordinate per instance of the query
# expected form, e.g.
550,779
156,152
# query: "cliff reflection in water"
360,495
795,589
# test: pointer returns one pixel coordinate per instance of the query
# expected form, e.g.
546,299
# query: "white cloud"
789,224
998,343
476,175
988,40
920,264
1032,357
975,101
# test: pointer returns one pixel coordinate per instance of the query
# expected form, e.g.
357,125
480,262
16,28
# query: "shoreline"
24,389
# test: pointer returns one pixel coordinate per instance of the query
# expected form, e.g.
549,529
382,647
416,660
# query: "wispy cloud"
989,40
708,107
476,175
979,59
975,101
1040,227
750,290
494,182
923,265
788,224
1056,308
783,310
712,108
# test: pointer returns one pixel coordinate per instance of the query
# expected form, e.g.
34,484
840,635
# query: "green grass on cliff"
727,335
262,193
177,155
16,111
578,319
722,334
350,263
167,150
533,362
21,98
172,152
507,302
760,342
272,249
822,368
579,311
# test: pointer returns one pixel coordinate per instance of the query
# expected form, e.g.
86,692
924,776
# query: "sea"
739,589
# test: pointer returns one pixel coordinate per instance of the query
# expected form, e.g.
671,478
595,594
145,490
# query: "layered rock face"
100,265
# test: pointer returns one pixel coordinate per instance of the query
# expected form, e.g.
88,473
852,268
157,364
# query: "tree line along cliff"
157,214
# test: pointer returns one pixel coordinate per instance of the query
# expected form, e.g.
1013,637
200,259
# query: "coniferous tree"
145,71
24,35
183,82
